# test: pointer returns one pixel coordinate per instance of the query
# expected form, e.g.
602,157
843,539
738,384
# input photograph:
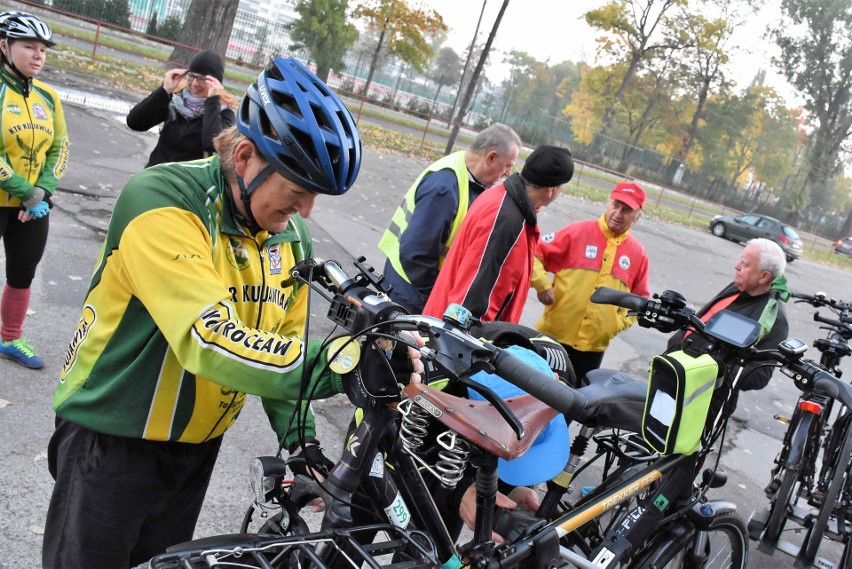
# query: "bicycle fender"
799,442
702,515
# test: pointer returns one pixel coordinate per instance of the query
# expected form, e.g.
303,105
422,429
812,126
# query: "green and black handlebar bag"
680,388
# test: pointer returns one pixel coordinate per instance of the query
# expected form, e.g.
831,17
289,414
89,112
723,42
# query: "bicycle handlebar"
840,326
807,374
819,299
360,309
541,386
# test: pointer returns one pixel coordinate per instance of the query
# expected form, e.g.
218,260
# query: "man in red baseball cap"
582,257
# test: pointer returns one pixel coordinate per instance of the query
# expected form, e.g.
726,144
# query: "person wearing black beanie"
192,106
548,166
489,265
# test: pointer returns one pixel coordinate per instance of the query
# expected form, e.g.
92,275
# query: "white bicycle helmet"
22,26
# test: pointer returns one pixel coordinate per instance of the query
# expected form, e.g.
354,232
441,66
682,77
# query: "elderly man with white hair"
759,283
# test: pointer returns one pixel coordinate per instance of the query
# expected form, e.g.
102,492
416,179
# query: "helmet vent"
322,119
294,166
286,102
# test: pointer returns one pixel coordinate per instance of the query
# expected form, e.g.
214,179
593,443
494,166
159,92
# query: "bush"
115,12
170,28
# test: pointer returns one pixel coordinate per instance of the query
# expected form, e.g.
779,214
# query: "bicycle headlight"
265,475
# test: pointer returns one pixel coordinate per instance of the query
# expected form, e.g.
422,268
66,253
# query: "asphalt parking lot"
105,153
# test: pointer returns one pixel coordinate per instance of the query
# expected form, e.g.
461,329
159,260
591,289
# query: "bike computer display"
732,328
793,346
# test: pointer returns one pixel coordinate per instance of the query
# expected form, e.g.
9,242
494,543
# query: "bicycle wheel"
839,464
785,497
726,547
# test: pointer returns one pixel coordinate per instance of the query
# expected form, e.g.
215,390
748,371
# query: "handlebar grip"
546,389
607,295
841,326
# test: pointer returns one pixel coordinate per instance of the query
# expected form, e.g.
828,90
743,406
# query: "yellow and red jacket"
34,139
582,257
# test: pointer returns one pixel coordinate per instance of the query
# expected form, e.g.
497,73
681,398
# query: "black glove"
379,374
309,457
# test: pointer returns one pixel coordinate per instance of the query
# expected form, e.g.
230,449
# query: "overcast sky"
556,30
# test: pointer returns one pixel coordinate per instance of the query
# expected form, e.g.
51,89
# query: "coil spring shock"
414,426
454,450
452,458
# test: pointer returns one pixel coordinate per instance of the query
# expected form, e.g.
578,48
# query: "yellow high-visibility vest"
389,243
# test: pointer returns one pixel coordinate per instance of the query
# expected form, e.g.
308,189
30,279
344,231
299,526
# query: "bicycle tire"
840,476
727,547
785,496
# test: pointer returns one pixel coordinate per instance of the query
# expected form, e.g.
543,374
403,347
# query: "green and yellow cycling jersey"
186,313
34,139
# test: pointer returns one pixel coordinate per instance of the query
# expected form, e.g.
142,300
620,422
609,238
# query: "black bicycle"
798,479
379,461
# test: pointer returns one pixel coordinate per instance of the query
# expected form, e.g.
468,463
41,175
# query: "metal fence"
395,85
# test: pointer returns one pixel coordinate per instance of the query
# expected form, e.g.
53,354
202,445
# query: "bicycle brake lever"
498,404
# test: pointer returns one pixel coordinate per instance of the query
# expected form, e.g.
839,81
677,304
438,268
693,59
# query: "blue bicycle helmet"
302,128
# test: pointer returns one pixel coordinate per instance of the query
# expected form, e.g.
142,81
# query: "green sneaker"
22,352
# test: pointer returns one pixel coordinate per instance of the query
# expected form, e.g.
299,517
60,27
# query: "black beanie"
208,63
548,166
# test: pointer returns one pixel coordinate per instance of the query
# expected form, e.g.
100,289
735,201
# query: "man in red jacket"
489,265
582,257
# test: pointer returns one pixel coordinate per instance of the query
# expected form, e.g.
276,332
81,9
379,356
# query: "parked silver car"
750,225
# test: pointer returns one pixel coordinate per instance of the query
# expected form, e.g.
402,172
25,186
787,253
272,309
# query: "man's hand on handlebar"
385,365
405,361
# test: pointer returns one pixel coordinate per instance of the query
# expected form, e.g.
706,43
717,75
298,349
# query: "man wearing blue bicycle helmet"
190,309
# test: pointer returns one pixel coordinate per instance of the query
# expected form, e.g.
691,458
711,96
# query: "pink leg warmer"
13,310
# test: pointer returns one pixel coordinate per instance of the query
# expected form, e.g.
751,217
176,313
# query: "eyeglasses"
190,77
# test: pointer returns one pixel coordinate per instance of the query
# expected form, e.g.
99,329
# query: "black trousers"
24,245
119,501
583,362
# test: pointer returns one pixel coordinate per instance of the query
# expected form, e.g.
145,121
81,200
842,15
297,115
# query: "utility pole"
468,94
467,63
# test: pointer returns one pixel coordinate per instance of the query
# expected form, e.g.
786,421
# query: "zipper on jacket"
262,284
256,325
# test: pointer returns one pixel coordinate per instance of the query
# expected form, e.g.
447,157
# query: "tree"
323,30
816,58
401,32
447,67
447,64
477,71
703,65
260,40
637,29
151,28
207,26
170,28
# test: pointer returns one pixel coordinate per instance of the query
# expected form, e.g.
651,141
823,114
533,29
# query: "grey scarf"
186,105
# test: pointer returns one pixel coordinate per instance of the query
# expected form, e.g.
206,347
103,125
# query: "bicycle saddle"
480,423
613,400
